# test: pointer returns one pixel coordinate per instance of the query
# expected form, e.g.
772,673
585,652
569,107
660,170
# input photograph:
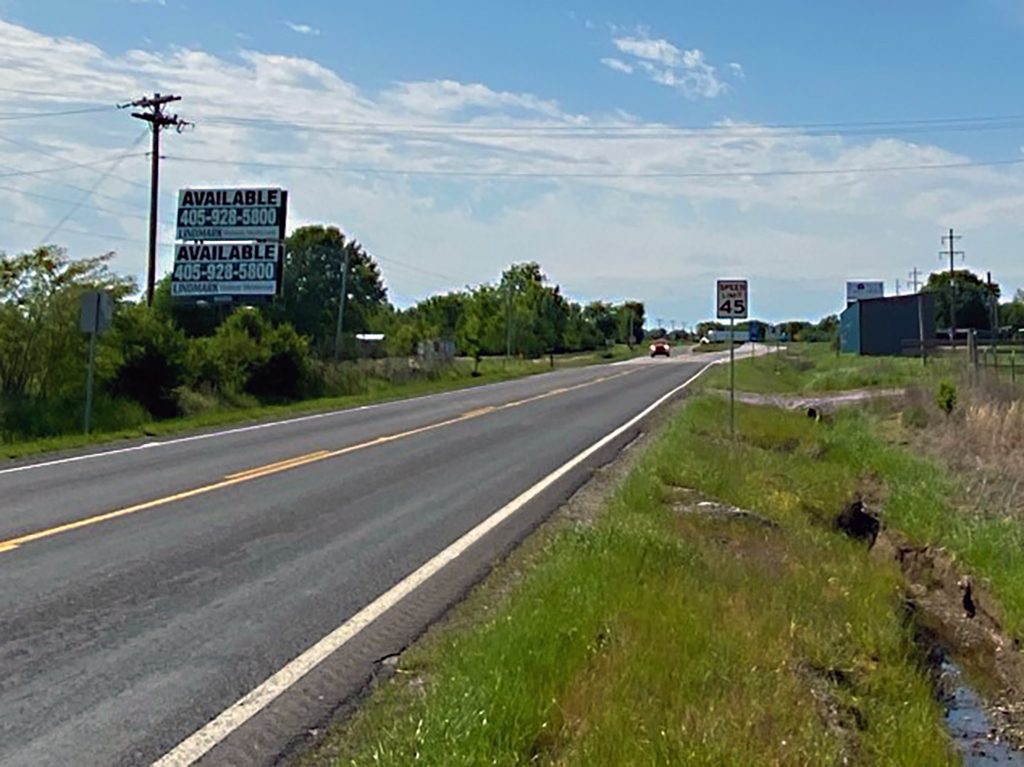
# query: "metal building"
880,326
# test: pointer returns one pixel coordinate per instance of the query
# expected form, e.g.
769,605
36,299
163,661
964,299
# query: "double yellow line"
275,468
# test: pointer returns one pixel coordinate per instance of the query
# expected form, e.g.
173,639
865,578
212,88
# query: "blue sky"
537,130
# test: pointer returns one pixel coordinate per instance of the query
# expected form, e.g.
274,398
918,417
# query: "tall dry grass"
982,441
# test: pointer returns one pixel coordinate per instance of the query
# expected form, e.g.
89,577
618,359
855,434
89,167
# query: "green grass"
663,637
924,500
492,370
816,368
925,503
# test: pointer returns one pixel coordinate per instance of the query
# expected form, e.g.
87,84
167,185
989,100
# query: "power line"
57,182
414,268
62,201
31,115
65,168
80,232
88,194
71,163
599,174
636,131
53,96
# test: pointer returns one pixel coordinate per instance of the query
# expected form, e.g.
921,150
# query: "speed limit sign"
732,299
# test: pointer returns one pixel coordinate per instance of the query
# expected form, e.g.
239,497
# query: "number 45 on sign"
732,299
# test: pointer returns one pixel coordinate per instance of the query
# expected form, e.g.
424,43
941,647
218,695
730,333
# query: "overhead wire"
442,172
32,115
57,156
657,130
62,201
60,182
427,272
103,177
64,168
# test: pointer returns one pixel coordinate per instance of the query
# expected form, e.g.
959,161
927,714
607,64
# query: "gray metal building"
879,326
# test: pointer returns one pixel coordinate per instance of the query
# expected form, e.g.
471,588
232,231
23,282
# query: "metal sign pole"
90,378
732,377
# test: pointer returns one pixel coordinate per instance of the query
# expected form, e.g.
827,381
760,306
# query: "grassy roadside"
490,370
929,466
815,368
671,632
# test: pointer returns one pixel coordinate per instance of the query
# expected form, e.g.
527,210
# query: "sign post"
97,311
732,305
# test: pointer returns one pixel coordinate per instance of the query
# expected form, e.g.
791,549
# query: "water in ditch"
970,726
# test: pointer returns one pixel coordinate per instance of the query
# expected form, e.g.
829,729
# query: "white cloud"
737,70
685,70
302,29
588,187
618,65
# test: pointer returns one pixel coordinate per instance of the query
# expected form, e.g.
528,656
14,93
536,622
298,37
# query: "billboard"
857,291
207,270
231,215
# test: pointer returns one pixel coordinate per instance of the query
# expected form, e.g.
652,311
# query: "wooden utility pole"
951,238
341,301
157,120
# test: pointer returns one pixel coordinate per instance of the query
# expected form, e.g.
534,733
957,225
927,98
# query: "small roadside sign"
732,299
97,312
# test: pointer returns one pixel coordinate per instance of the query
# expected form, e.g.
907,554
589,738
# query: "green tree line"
186,357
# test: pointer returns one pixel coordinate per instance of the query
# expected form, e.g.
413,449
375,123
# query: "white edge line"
256,427
202,741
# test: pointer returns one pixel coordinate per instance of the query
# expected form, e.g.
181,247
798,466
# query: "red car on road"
661,347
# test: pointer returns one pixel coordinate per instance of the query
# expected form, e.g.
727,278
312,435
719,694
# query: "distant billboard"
209,270
859,291
231,215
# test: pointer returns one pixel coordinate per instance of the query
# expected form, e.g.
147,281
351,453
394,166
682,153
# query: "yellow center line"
288,464
274,468
475,413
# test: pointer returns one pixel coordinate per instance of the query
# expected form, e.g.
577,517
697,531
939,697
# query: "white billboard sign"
231,215
858,291
206,270
732,299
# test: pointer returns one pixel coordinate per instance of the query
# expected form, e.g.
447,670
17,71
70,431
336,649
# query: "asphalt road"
191,582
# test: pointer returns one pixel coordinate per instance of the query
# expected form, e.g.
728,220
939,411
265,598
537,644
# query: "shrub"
914,417
946,397
153,355
34,417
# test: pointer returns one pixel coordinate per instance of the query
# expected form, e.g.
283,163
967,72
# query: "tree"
311,291
973,303
631,322
604,318
1011,315
41,349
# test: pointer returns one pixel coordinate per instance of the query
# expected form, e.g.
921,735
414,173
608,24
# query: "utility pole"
508,322
158,120
951,238
341,303
993,304
915,283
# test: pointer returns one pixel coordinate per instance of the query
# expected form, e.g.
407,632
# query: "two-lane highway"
143,591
